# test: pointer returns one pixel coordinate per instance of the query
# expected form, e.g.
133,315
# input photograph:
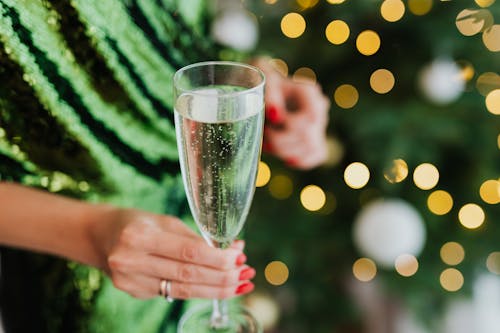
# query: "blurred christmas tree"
415,103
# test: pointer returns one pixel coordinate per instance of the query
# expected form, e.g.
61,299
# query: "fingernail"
266,147
241,259
247,274
273,114
244,288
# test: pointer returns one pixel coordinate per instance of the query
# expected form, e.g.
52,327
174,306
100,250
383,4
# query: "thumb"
275,102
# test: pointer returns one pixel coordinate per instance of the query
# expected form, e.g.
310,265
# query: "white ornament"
442,81
235,28
386,229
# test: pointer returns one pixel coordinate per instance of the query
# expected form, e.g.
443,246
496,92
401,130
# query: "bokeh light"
280,187
466,70
263,174
306,4
493,262
364,269
312,197
487,82
396,172
493,101
271,2
406,265
452,253
356,175
490,191
346,96
484,3
420,7
276,273
337,32
440,202
382,81
491,38
335,2
304,75
279,65
426,176
471,216
472,21
451,279
392,10
368,42
293,25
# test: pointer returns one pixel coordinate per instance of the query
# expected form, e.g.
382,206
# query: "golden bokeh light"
491,38
304,75
337,32
440,202
426,176
484,3
406,265
487,82
420,7
368,42
356,175
382,81
293,25
271,2
493,263
451,279
452,253
306,4
276,273
493,102
392,10
471,216
312,197
364,269
279,65
472,21
498,141
335,2
396,172
263,174
280,187
346,96
490,191
466,70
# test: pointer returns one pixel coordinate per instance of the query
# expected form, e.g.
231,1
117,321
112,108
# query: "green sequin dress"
86,111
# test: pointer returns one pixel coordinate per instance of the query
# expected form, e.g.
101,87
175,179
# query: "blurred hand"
296,119
140,249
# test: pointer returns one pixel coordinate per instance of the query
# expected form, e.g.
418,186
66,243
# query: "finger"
186,249
177,226
238,244
138,286
180,290
308,99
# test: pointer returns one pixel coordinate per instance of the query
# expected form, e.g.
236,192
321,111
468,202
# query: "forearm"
49,223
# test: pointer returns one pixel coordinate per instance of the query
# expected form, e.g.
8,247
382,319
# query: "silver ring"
166,290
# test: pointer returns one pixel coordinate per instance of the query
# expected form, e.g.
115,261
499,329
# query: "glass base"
197,320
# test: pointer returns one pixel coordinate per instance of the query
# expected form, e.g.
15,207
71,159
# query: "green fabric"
86,111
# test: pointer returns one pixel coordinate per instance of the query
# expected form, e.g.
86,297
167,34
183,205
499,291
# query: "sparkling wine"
219,144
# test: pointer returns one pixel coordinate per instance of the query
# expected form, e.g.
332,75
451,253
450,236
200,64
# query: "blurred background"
400,230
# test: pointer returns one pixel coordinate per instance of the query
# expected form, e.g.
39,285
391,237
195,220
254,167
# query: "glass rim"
179,72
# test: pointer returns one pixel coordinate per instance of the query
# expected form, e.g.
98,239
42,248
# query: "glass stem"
220,317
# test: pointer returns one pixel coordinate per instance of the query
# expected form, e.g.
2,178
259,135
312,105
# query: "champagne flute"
219,119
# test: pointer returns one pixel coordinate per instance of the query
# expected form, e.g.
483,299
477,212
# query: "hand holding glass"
219,118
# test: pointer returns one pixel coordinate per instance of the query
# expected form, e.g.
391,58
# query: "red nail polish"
266,147
247,274
244,288
273,114
241,259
